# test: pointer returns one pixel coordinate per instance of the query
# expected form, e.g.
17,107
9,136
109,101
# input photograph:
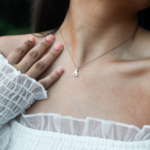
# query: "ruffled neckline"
90,126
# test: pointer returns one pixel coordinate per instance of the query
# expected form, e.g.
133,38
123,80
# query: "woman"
108,100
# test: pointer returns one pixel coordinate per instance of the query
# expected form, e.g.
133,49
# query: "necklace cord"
102,54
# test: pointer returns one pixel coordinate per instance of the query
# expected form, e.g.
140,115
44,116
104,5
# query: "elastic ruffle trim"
25,138
91,127
17,91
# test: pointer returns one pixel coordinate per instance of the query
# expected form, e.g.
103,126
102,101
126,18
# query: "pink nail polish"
60,70
50,38
58,46
32,39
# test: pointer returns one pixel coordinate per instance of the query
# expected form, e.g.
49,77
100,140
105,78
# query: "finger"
39,67
33,55
17,54
50,79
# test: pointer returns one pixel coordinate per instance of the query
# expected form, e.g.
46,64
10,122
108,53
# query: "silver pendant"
75,74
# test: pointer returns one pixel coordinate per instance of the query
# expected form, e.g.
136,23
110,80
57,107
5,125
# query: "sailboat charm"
75,74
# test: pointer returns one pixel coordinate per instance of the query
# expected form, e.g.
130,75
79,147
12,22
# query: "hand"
27,59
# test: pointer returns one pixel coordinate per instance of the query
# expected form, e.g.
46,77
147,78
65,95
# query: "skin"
27,59
114,87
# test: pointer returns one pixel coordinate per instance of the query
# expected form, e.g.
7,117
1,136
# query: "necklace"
76,73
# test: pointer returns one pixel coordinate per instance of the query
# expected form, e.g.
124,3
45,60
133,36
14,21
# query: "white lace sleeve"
17,92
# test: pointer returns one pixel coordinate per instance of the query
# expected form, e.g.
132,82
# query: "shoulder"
140,50
9,43
139,60
141,46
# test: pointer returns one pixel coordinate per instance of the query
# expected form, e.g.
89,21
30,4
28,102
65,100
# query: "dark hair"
50,14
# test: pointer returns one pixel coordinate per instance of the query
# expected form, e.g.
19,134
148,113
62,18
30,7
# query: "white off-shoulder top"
18,91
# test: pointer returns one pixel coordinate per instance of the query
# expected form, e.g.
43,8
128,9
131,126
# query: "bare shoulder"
139,60
9,43
142,44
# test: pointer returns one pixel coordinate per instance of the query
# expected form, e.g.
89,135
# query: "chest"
118,92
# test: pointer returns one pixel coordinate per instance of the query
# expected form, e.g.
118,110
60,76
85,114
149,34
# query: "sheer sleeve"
17,92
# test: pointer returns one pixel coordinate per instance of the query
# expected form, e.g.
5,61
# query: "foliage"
15,17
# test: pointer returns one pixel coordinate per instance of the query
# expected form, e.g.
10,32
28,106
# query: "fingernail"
32,39
58,46
50,38
60,70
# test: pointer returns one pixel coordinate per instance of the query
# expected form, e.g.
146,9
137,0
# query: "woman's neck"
93,27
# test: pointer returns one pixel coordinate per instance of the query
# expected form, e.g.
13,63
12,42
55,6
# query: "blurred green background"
15,17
